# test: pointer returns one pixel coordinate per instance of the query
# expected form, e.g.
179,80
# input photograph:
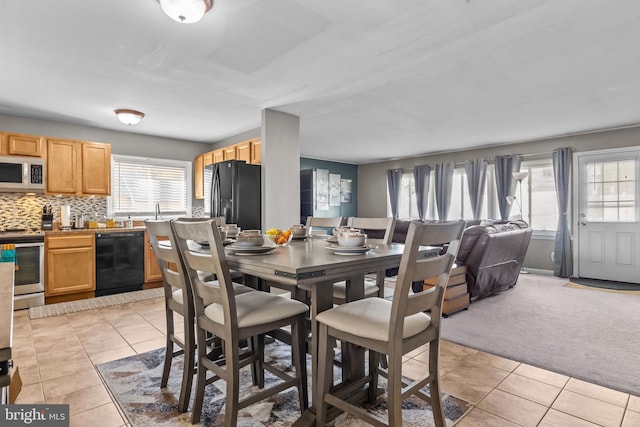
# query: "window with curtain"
539,205
138,183
407,206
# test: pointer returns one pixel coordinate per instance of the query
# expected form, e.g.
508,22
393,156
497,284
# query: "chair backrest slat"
388,225
413,268
314,221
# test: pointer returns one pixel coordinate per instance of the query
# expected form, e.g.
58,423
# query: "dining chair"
384,227
177,299
324,224
393,328
235,317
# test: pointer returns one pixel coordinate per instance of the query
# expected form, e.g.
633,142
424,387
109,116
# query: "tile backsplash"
25,211
18,210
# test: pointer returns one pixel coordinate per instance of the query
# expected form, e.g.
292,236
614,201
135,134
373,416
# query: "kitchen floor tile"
84,399
486,359
631,419
30,394
588,408
513,408
464,388
71,383
143,347
598,392
533,390
415,369
479,418
105,416
548,377
113,354
634,403
484,375
62,364
555,418
456,349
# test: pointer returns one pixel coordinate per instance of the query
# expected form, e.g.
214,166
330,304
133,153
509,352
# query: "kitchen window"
138,183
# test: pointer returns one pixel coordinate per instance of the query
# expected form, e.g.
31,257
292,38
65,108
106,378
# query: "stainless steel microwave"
21,174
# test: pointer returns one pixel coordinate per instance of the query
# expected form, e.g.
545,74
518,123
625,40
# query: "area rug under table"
135,384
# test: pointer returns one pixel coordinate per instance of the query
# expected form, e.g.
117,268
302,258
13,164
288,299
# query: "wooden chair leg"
374,360
168,354
299,359
394,390
260,339
201,378
325,374
434,386
233,384
188,367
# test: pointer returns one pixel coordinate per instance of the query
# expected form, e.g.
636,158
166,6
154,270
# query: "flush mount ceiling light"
186,11
129,117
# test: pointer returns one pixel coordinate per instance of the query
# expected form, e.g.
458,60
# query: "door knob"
583,223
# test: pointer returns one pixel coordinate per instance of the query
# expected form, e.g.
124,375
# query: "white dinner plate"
250,250
350,250
225,242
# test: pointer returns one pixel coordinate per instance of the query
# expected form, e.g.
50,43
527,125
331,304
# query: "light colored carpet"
588,335
91,303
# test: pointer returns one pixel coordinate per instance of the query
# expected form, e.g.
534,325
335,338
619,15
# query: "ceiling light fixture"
129,117
186,11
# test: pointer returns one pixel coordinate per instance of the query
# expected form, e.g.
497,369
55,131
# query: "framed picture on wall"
334,189
322,189
345,191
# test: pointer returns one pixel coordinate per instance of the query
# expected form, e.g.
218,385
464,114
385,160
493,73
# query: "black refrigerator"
233,190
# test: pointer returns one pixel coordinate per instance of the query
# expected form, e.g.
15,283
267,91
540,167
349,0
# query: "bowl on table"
352,239
232,230
298,231
249,240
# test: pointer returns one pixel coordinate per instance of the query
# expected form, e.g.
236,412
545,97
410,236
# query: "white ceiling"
371,80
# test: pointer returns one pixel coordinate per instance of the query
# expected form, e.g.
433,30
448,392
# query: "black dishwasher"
119,262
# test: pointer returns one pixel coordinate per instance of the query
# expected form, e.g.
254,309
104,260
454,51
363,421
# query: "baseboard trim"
538,271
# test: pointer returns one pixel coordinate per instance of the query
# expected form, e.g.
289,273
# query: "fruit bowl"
279,237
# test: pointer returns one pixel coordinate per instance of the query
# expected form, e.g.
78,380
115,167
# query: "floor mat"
91,303
593,288
606,284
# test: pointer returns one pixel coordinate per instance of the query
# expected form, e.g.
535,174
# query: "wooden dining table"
311,265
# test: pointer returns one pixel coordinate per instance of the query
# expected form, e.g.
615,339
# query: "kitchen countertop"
93,230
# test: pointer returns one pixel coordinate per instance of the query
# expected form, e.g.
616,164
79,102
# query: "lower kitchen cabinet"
70,264
152,271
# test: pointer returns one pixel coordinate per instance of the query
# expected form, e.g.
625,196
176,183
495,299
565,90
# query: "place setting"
251,242
348,241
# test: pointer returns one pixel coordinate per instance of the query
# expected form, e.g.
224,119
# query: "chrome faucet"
158,211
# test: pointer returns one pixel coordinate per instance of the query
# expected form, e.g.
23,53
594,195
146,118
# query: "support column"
281,169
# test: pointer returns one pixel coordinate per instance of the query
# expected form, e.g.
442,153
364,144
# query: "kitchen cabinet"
70,264
152,271
230,152
96,168
256,151
16,144
78,168
207,158
198,176
218,156
243,151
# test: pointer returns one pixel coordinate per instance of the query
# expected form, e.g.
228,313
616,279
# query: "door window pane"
611,191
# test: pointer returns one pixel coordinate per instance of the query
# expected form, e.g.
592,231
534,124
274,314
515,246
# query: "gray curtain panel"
505,183
394,179
562,262
476,171
443,183
421,178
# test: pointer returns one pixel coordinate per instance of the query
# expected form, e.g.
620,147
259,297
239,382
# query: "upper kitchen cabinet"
78,168
15,144
243,151
96,168
207,159
230,152
256,151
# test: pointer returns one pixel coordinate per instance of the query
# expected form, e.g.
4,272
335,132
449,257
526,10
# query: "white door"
608,231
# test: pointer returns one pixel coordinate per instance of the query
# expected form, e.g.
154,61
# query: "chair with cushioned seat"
232,317
393,328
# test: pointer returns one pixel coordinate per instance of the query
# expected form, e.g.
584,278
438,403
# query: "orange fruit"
287,233
282,240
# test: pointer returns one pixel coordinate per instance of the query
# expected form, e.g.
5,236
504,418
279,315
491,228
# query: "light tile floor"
57,357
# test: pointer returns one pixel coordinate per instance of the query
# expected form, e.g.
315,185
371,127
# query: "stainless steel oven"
29,273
